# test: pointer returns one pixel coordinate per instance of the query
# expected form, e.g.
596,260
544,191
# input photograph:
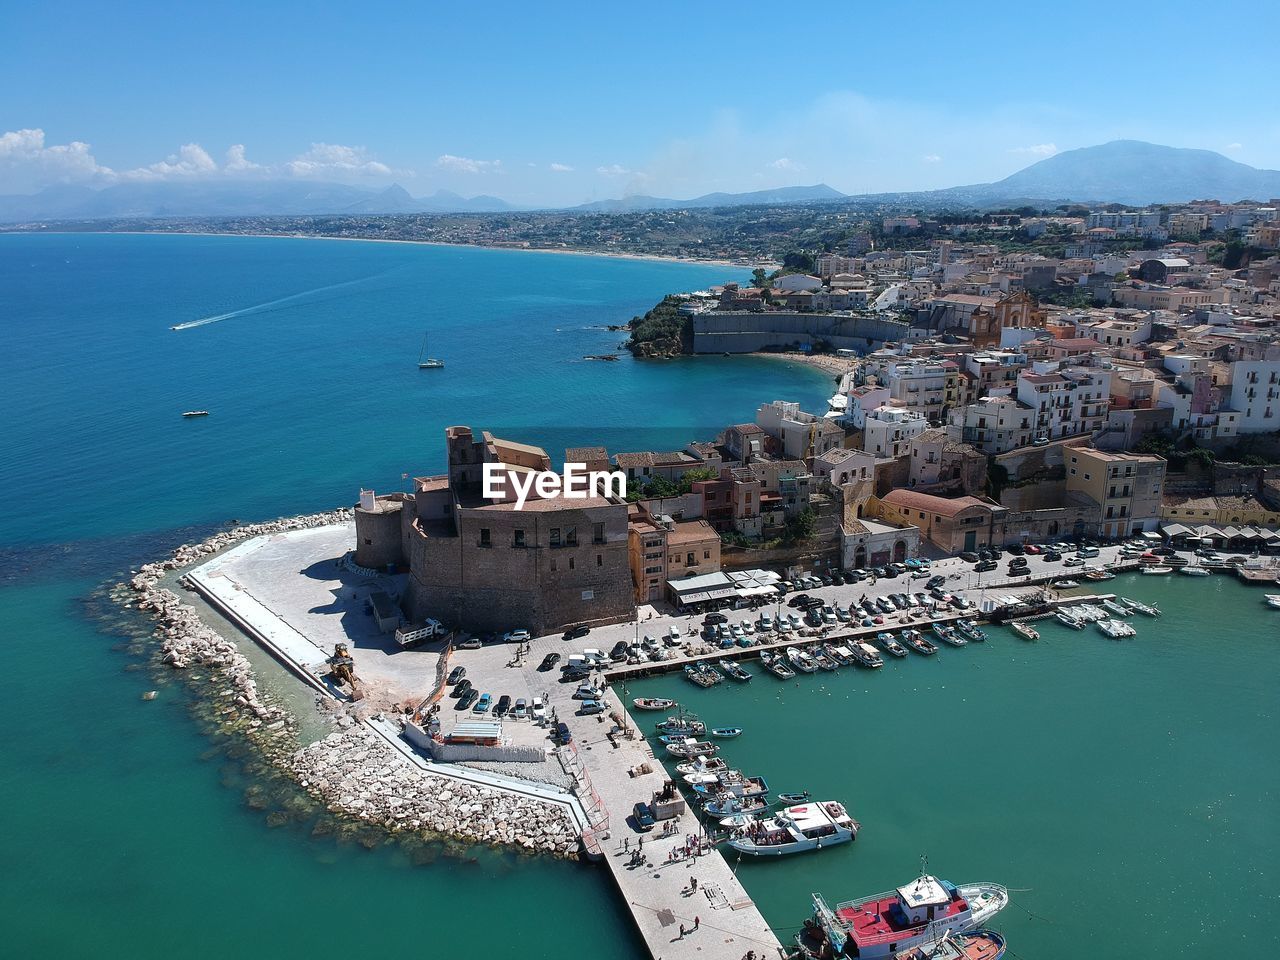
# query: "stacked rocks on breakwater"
359,774
353,770
185,640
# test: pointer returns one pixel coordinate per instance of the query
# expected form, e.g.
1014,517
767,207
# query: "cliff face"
662,332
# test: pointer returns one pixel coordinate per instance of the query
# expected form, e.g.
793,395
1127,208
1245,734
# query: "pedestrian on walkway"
697,922
694,882
682,931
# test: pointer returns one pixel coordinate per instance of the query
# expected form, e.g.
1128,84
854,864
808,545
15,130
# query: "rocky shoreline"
358,774
352,771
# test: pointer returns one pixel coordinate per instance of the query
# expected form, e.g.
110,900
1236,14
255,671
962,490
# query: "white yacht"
806,826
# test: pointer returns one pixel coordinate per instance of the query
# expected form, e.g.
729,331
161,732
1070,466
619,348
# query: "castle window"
555,536
571,563
484,537
597,533
599,559
518,539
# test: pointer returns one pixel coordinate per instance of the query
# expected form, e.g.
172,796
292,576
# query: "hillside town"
973,412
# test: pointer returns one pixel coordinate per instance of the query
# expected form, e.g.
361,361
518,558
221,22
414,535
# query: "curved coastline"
353,771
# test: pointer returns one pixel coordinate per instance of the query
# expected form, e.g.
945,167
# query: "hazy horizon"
583,104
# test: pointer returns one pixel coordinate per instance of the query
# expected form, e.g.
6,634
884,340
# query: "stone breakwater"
353,771
185,640
359,774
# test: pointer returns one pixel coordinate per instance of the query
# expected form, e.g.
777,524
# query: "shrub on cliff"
663,331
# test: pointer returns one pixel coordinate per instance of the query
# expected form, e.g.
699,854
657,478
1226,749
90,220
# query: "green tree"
801,526
759,278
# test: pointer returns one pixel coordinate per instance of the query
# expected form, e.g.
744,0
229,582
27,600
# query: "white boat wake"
260,307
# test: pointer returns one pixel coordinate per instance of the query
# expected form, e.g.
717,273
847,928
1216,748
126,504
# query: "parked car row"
469,698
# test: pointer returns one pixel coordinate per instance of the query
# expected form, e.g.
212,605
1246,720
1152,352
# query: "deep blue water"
122,833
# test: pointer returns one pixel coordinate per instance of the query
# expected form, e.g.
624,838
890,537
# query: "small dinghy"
794,797
724,733
653,703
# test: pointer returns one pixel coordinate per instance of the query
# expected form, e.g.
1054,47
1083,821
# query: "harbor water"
1125,791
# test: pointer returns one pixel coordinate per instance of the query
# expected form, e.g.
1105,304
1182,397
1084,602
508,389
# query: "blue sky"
563,103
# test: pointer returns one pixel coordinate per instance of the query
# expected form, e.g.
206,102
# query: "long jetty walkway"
655,872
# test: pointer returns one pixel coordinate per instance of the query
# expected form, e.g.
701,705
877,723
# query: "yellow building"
1125,486
1246,511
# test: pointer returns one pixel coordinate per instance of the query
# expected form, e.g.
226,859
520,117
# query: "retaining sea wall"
747,332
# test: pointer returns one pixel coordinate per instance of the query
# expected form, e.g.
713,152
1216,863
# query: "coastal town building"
951,524
1125,487
484,564
889,431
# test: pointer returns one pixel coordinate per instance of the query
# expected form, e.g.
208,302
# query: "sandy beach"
737,264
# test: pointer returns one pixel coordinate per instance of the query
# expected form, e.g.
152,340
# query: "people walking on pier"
697,922
682,931
693,882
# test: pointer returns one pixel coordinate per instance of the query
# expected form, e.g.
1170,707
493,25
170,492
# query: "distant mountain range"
817,193
1123,171
232,198
1130,172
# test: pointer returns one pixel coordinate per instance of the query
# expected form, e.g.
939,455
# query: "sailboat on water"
425,362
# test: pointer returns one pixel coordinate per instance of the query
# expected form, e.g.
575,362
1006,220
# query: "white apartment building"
995,424
890,430
1255,394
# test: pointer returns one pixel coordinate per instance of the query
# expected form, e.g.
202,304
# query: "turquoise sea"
129,829
1127,792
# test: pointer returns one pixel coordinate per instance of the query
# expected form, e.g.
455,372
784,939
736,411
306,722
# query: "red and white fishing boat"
919,914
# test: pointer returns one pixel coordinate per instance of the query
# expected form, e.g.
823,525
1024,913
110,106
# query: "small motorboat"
196,413
822,660
1156,571
1116,629
794,797
890,645
970,630
1069,620
1024,630
1065,584
918,642
801,660
1272,600
1116,609
690,748
1149,610
653,703
724,733
776,665
948,635
688,725
735,671
1194,571
703,765
738,821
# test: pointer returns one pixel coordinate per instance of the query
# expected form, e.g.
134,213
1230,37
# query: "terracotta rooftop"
942,506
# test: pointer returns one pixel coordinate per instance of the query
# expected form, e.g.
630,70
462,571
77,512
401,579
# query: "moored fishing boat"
1098,575
724,733
839,653
918,642
702,765
735,670
703,675
970,630
727,805
823,661
918,914
1024,630
948,635
653,703
797,829
777,665
689,748
794,797
801,660
866,655
684,723
890,645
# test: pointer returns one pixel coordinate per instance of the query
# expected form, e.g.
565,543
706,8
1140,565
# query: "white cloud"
561,168
1234,147
237,162
334,159
786,163
613,170
931,158
29,163
466,165
191,160
1037,149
